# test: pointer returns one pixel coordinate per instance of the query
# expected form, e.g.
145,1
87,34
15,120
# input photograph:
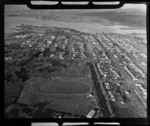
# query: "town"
112,65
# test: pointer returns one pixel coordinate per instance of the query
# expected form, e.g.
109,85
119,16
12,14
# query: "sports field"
66,95
66,87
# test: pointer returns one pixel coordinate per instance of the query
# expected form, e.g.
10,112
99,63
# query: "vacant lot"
65,95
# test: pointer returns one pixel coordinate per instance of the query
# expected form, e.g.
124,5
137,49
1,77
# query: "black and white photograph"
75,63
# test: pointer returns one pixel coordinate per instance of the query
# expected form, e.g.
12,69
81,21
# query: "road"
101,94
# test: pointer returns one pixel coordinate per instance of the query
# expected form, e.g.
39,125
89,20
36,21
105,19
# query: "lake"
11,22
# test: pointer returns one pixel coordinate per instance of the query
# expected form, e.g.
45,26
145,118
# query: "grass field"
68,87
65,95
75,104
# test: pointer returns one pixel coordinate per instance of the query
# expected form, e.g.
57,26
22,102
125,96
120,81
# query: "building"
91,114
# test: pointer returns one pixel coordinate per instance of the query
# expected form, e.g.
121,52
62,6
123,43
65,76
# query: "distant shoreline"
87,27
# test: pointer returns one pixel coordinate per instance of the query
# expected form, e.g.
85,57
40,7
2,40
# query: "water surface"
11,22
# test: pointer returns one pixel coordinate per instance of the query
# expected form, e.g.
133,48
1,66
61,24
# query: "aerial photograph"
78,63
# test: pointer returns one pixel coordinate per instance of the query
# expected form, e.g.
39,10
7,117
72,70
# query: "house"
121,102
118,84
127,92
113,99
138,85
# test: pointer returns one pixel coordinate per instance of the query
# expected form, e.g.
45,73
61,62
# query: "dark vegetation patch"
36,111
